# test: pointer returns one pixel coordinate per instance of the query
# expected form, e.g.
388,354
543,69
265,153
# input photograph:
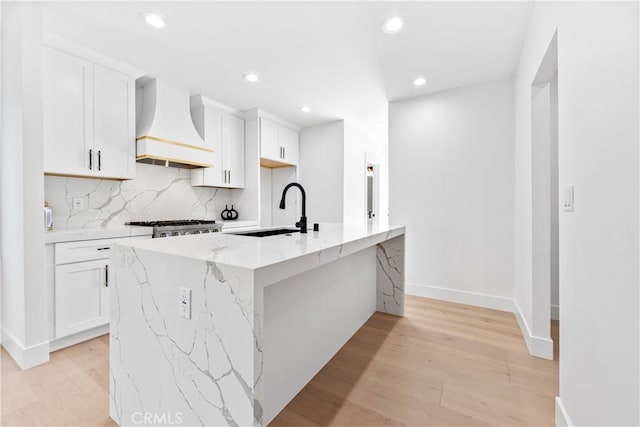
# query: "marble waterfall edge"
208,369
204,371
390,276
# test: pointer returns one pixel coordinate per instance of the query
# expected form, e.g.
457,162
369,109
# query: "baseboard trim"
562,417
537,346
79,337
555,312
462,297
25,357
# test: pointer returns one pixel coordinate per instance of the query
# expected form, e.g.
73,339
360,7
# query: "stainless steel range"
179,227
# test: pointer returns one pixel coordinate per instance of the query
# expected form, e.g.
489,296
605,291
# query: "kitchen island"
222,329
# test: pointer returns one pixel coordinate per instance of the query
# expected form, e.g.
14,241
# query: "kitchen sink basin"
267,233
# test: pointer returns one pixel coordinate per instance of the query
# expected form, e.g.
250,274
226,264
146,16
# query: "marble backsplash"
157,193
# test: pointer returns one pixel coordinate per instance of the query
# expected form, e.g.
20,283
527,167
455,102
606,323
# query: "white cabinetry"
224,132
233,150
278,144
88,118
81,296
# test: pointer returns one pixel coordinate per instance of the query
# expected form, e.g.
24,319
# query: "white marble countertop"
235,224
258,252
58,235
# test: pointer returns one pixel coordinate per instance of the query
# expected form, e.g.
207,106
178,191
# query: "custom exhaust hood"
165,134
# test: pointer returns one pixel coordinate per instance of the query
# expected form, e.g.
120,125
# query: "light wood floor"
442,364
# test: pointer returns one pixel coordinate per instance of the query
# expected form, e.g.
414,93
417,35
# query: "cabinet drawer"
85,250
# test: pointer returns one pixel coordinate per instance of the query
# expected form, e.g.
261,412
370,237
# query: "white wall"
333,160
322,171
362,146
451,184
22,191
598,112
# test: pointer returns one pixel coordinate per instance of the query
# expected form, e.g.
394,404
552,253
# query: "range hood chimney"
165,134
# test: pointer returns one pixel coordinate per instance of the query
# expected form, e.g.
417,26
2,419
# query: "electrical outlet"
79,203
185,303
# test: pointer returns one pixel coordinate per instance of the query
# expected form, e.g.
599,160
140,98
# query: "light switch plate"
567,199
185,303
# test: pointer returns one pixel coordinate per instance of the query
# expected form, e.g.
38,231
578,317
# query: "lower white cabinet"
81,296
78,289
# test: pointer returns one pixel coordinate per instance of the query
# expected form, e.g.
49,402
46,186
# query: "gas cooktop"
169,223
179,227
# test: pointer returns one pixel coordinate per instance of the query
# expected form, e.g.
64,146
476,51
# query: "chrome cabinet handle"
90,159
229,182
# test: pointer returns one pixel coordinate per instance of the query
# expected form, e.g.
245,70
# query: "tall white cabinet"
223,130
88,118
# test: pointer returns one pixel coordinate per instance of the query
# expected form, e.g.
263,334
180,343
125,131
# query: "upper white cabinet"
233,150
88,118
114,123
278,144
224,132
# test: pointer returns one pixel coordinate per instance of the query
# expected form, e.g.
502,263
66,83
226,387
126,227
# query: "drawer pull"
104,249
106,276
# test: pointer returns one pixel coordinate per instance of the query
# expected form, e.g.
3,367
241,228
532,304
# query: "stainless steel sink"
267,233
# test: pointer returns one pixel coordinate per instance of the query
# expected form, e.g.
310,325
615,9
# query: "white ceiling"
330,56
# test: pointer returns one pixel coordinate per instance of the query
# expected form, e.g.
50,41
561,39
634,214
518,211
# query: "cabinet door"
114,124
233,150
67,112
270,147
208,122
81,296
289,141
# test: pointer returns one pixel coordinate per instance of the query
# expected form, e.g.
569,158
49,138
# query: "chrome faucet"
302,224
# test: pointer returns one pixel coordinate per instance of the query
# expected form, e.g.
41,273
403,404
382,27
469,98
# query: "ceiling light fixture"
251,77
419,81
393,25
305,109
153,19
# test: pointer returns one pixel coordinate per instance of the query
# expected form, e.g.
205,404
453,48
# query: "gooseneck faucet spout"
302,224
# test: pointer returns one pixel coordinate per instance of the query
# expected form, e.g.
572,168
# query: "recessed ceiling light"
419,81
305,109
251,77
393,24
153,19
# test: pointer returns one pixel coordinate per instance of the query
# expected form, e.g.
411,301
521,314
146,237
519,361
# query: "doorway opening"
545,203
372,178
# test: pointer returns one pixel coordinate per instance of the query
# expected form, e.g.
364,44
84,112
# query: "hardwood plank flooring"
442,364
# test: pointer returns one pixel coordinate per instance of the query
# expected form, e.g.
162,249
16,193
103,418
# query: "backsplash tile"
157,193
